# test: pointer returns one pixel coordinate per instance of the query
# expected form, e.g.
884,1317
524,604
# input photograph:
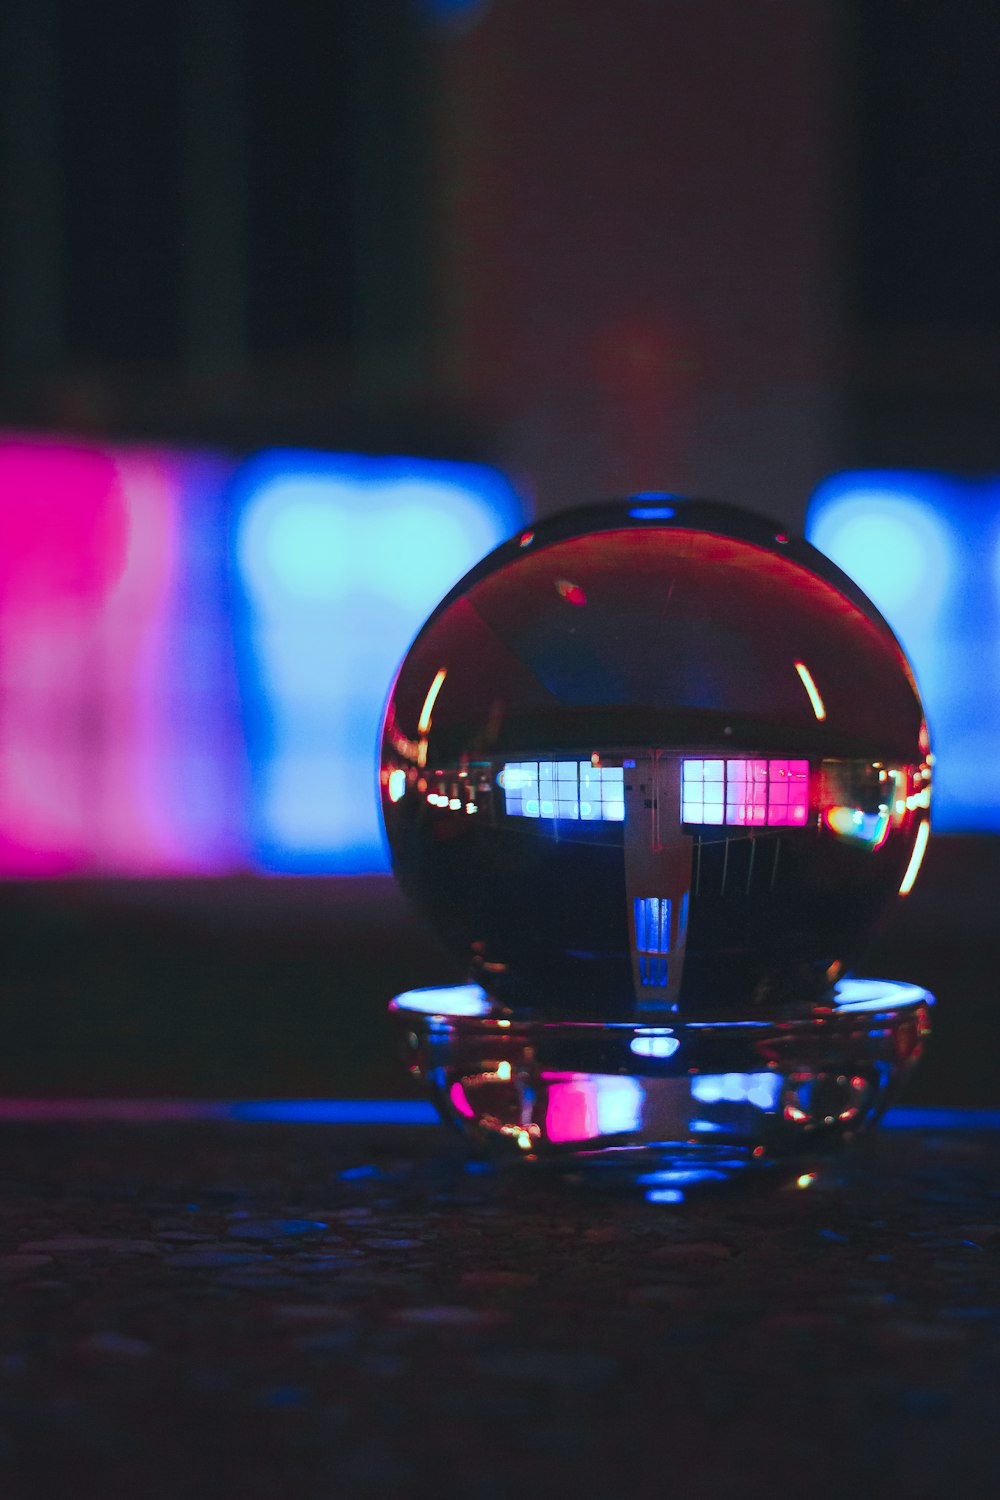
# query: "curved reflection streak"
447,1000
878,995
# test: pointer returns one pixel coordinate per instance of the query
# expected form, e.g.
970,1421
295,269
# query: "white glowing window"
563,789
749,793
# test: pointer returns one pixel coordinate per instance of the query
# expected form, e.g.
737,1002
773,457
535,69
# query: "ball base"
680,1106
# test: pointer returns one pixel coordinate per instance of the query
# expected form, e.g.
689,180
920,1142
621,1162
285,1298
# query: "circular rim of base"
759,1090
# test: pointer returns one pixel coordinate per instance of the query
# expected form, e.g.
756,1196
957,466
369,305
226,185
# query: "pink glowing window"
747,793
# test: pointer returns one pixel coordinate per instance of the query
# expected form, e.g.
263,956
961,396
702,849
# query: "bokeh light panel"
926,549
118,749
193,658
340,559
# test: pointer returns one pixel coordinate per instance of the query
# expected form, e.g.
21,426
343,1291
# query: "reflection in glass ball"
655,758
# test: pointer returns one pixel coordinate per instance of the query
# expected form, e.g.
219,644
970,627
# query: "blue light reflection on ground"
410,1112
337,1111
405,1112
902,1118
926,549
681,1176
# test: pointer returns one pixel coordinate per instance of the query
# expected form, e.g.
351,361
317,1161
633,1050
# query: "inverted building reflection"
734,865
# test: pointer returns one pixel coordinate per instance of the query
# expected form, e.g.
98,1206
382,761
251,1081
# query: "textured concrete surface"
258,1311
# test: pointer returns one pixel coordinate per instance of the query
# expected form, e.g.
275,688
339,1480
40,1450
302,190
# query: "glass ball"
655,757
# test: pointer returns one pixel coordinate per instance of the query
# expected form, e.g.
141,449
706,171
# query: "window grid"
568,789
748,793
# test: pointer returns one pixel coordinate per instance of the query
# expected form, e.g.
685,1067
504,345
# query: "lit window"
652,924
563,789
748,793
652,938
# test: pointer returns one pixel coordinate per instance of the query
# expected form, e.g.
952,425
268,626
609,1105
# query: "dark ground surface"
278,1310
250,988
297,1311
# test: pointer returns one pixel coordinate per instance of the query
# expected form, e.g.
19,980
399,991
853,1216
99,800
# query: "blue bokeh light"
926,549
681,1176
762,1090
447,1000
885,532
652,512
338,559
619,1104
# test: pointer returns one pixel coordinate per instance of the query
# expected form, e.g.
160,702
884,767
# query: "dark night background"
713,246
705,246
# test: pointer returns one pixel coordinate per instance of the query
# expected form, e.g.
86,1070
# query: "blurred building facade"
604,247
704,246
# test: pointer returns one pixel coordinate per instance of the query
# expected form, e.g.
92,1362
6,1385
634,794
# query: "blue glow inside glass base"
675,1108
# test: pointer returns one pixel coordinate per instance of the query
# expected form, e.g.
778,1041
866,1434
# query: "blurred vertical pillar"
641,261
214,299
31,281
392,299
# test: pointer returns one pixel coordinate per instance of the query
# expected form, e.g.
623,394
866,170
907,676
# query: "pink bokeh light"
95,712
62,551
63,524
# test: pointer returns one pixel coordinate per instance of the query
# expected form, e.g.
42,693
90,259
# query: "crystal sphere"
655,756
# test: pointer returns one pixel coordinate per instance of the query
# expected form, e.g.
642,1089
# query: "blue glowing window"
653,971
652,938
652,924
563,789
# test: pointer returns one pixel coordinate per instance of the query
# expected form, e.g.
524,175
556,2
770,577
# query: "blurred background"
305,308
